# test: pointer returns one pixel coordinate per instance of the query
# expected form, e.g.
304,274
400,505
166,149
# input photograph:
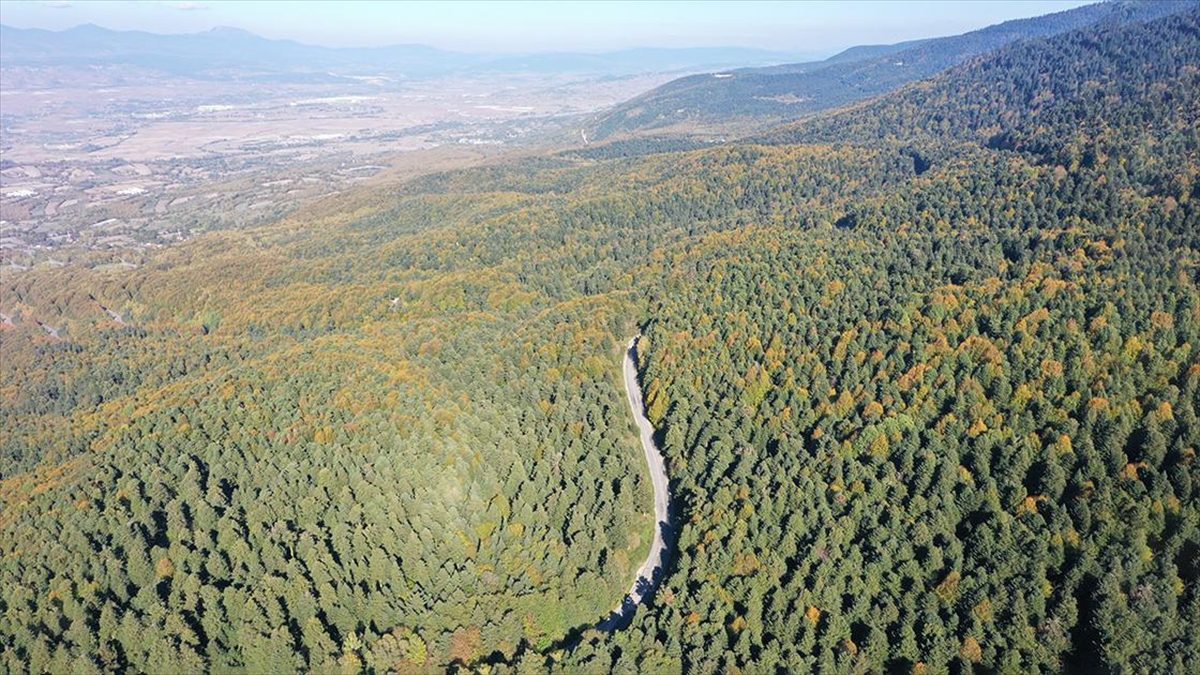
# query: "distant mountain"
215,52
208,54
761,96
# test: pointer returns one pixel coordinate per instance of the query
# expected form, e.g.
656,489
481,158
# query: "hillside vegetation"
924,372
753,98
957,428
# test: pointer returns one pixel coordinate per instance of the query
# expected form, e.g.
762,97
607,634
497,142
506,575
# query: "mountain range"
214,53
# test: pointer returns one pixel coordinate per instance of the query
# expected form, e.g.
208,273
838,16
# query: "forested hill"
753,98
956,429
924,373
1108,86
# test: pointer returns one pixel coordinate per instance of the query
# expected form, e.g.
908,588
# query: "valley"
104,174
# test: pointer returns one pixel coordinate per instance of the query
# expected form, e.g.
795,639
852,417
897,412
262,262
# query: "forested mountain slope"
392,436
757,97
928,394
958,429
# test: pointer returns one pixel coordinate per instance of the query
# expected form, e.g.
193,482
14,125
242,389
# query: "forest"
923,369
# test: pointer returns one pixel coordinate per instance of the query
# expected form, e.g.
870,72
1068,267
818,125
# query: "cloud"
58,4
190,6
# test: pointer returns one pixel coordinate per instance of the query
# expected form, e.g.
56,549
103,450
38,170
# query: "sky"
797,27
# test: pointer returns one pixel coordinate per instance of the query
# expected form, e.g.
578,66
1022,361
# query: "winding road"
650,573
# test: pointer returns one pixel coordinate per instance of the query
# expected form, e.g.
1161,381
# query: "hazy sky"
540,26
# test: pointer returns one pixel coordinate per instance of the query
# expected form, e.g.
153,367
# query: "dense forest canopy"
924,370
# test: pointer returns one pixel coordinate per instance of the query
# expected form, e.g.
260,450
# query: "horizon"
794,28
637,47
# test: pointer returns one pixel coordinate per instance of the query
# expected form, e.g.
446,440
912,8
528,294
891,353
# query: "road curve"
650,573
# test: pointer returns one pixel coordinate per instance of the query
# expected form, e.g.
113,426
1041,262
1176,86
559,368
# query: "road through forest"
650,573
